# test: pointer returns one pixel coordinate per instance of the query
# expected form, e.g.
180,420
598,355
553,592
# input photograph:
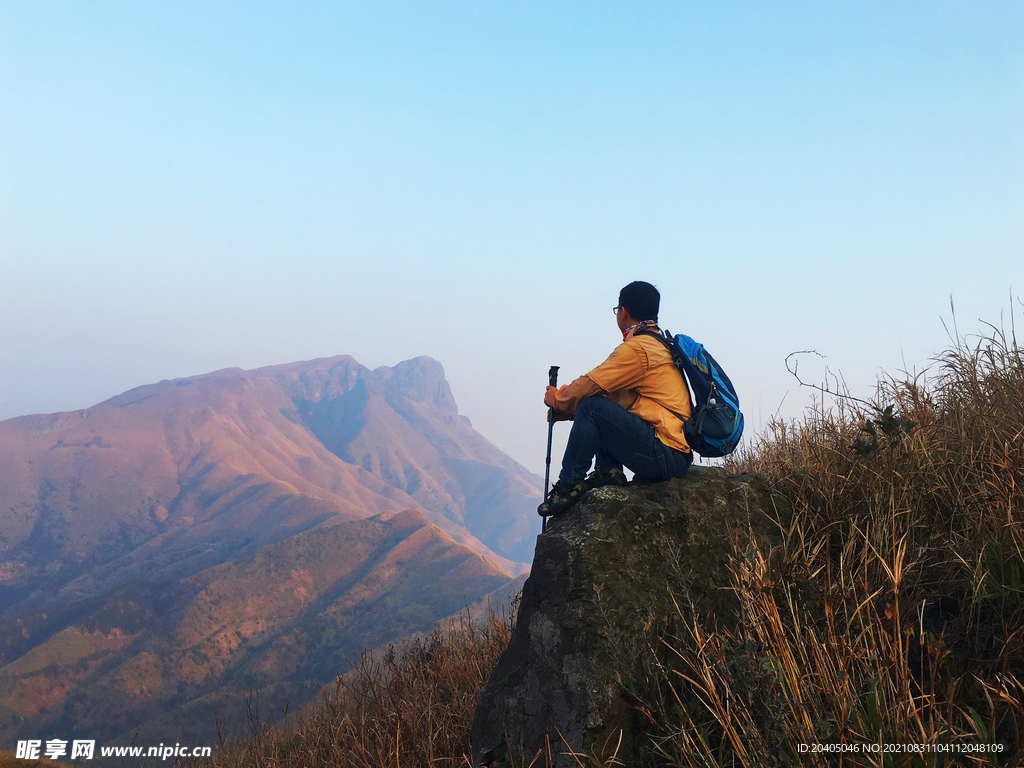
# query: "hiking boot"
604,476
560,499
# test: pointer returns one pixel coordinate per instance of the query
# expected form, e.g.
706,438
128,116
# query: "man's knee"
595,405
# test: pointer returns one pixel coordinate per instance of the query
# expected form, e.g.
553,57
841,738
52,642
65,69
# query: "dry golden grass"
412,707
10,760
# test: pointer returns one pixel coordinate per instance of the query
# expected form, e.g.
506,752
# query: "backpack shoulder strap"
666,341
649,332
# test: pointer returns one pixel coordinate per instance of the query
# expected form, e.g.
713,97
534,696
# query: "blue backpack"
716,424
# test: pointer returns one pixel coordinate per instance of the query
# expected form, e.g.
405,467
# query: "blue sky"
186,187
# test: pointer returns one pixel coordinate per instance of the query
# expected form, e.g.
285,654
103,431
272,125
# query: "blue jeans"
616,437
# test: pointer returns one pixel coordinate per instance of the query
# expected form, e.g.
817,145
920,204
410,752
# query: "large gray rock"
606,582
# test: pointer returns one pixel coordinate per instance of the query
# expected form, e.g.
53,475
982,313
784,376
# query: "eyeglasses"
615,310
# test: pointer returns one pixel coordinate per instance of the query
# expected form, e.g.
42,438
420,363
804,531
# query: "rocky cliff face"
606,581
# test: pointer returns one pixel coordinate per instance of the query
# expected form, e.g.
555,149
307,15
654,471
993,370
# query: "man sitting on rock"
628,411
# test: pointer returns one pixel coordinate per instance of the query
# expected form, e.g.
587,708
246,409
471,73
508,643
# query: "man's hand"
551,402
550,393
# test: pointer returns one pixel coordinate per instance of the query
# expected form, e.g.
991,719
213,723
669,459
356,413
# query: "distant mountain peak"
240,459
421,380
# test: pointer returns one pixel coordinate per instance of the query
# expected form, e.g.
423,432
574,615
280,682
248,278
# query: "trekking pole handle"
553,376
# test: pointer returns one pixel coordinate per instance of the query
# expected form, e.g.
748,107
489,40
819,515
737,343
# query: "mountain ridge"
170,478
169,549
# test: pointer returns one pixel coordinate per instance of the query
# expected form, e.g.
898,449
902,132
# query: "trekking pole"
552,382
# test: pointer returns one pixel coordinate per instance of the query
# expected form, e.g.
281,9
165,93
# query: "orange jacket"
640,376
